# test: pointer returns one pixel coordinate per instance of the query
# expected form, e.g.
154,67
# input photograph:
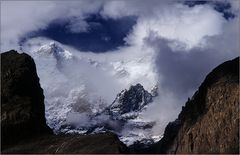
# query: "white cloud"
77,26
21,17
184,25
117,8
181,24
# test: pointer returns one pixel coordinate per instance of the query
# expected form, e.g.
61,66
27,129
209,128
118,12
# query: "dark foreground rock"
22,100
68,144
23,124
209,122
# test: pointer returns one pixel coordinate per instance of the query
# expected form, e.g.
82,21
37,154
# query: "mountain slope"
209,122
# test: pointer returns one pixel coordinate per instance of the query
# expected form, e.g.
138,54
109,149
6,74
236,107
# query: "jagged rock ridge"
132,100
129,103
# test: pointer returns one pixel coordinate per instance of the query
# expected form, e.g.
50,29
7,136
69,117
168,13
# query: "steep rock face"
22,100
209,122
132,100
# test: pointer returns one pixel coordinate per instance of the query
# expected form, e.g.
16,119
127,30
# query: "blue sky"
101,34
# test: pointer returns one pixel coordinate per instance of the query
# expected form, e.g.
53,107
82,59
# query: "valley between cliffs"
208,123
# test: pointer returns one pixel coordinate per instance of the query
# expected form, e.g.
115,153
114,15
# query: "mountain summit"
56,50
132,100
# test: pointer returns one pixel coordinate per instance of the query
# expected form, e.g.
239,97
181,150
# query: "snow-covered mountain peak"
56,50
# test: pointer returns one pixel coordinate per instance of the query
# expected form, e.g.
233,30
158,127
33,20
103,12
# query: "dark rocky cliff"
209,122
23,124
22,100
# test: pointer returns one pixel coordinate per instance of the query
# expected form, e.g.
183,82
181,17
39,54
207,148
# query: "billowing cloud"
186,26
21,17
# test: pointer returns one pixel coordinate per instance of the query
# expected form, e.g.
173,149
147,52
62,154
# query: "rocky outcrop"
22,100
23,124
132,100
209,122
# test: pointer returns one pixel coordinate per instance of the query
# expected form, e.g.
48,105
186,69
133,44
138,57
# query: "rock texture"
105,143
22,100
131,100
23,124
209,122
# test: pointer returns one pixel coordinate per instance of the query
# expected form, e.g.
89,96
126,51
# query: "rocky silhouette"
209,121
22,104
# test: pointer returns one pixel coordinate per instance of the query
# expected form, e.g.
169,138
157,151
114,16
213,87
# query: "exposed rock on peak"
132,100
